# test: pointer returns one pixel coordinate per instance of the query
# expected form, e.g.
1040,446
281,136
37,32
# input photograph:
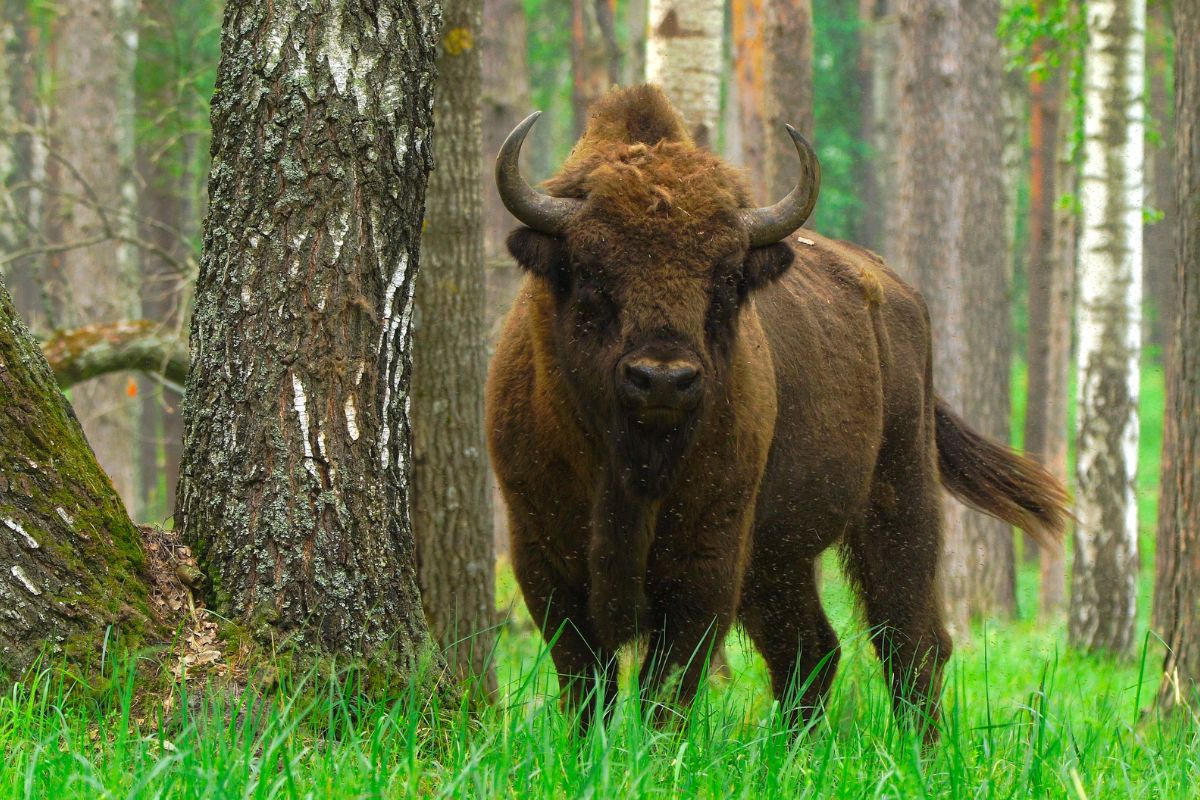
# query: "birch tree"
1177,566
452,512
683,56
1104,577
297,453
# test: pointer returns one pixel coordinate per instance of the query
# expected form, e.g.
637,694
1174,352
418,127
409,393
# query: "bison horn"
539,211
769,225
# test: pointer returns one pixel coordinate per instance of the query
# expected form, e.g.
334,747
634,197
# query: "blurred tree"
1159,225
1177,565
877,78
1104,577
451,490
506,102
635,37
595,55
683,56
950,179
73,567
295,478
93,275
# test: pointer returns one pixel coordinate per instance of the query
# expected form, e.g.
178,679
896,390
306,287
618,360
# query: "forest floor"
1024,716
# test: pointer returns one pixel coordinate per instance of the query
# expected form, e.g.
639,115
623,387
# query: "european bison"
689,403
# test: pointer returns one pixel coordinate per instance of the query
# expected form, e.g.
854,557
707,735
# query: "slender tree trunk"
595,64
949,130
1159,263
165,173
452,512
879,35
788,58
297,452
1060,295
1177,567
505,103
683,56
747,21
94,96
71,558
1104,578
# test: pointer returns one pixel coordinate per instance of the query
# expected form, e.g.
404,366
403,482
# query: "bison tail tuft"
995,480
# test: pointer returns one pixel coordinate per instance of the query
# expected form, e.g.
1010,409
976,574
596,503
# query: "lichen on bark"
70,558
294,482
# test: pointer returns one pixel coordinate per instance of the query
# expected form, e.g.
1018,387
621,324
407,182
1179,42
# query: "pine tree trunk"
297,451
452,512
747,21
71,559
1177,565
1104,577
98,282
683,56
949,130
879,36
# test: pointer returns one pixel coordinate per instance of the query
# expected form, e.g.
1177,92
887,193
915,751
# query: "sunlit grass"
1024,717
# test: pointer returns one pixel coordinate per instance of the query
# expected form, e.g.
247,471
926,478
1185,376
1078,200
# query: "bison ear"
765,264
540,254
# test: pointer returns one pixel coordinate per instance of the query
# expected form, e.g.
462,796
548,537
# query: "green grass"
1023,717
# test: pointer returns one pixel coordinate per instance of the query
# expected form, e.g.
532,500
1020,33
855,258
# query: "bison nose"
650,383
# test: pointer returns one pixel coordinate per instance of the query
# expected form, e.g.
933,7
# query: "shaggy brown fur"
816,423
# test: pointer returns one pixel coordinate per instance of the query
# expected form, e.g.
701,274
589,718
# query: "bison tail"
995,480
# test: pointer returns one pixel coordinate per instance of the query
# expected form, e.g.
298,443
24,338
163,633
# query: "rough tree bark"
451,490
950,177
683,56
1104,577
295,478
879,36
70,559
1177,565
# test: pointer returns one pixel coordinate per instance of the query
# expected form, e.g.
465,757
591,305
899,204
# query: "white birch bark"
1104,581
683,56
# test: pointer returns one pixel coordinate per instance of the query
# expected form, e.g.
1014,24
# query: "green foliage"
837,106
548,33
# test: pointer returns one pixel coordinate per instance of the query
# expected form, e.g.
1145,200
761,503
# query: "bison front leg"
587,670
695,583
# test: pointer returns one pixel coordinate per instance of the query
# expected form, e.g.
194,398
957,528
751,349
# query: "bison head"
650,255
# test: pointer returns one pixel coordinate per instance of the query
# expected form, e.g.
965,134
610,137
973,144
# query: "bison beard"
817,424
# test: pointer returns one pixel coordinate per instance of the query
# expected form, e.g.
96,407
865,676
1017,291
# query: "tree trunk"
164,166
1104,578
97,282
595,61
505,103
949,130
1177,567
788,57
879,35
72,561
452,512
295,478
750,89
683,56
1060,294
1159,268
635,55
